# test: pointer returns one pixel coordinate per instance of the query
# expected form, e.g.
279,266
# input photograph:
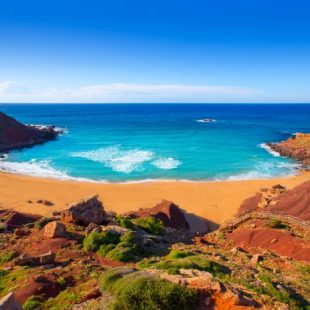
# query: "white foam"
166,163
209,120
269,150
37,169
118,160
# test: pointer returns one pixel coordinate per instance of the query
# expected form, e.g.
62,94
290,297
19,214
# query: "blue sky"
154,51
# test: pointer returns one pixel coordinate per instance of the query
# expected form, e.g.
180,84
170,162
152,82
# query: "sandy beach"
215,201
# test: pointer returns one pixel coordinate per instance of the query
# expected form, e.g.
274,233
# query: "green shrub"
151,225
191,262
125,252
95,239
124,221
2,229
175,254
62,281
277,224
7,256
138,291
3,273
39,224
282,296
105,249
33,302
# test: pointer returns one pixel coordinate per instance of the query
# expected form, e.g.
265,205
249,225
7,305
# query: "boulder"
256,258
166,211
27,260
84,212
93,228
9,302
55,229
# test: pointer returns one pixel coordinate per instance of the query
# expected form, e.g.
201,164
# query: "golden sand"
215,201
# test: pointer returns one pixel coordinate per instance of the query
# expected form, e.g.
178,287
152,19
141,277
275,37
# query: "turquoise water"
140,142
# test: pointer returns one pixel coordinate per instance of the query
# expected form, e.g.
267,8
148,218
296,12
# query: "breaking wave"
269,150
166,163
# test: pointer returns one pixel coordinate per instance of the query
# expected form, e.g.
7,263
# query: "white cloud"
123,92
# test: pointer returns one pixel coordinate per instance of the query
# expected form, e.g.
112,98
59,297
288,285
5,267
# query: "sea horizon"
158,142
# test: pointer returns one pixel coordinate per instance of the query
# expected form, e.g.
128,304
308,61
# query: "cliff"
15,135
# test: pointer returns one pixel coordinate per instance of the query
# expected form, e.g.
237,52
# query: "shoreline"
214,201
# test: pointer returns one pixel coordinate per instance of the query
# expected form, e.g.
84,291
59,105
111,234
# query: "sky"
154,51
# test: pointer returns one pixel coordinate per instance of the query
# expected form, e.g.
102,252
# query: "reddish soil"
250,204
43,286
274,240
295,202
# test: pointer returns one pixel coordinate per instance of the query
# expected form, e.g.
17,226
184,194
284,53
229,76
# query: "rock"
297,147
47,259
93,227
84,212
9,302
114,229
17,219
55,229
256,258
15,135
27,260
45,202
235,250
166,211
21,232
273,240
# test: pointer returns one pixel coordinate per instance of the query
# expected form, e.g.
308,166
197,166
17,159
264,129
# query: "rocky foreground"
87,258
297,147
15,135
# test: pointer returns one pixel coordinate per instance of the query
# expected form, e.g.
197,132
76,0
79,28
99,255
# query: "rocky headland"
15,135
297,147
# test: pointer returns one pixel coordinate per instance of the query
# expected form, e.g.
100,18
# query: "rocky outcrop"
15,135
55,229
166,211
13,219
297,147
9,302
84,212
27,260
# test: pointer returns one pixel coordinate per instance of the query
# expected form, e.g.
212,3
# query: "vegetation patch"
94,240
140,291
151,225
33,302
7,256
175,254
39,224
124,221
190,262
277,224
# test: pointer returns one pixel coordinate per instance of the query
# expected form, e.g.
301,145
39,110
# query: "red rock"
55,229
15,135
84,212
16,219
166,211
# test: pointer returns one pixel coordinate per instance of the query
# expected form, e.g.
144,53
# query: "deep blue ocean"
133,142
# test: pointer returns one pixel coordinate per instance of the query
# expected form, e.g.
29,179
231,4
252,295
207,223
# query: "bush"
175,254
95,239
33,302
191,262
277,224
2,229
124,221
138,291
39,224
151,225
105,249
8,256
125,252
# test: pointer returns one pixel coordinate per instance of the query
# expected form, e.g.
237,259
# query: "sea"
150,142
